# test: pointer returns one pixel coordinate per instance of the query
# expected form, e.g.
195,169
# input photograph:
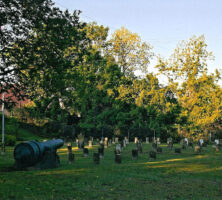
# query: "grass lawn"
170,176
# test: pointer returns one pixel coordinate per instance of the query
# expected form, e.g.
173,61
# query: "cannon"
37,155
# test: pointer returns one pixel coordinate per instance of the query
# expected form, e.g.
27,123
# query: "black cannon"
37,155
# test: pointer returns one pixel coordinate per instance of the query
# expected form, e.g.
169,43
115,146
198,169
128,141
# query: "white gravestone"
169,140
136,140
126,140
90,143
158,140
124,143
186,140
201,142
118,148
216,142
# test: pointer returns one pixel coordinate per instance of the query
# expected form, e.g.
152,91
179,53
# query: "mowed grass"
170,176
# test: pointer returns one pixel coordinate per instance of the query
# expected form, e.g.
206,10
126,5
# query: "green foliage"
130,53
18,20
197,91
78,78
10,140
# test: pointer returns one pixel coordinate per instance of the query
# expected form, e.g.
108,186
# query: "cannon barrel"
29,153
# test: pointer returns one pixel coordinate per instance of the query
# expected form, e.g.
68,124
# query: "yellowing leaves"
110,92
129,51
99,86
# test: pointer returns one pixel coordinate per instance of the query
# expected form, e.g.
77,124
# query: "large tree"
18,18
197,90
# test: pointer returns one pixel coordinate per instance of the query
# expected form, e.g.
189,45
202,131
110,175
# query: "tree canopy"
76,76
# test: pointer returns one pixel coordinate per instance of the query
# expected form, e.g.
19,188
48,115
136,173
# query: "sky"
161,23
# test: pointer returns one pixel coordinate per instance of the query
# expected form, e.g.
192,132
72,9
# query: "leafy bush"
10,140
53,127
68,131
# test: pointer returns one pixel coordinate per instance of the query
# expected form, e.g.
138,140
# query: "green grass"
170,176
27,135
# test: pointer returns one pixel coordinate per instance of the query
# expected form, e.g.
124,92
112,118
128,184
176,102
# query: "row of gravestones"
107,142
156,140
104,143
184,145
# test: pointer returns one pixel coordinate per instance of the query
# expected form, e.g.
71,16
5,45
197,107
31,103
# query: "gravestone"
170,145
118,148
124,143
90,143
101,152
197,149
135,140
139,147
80,145
118,158
186,141
109,142
152,154
71,156
86,152
80,141
96,158
106,142
200,142
126,140
101,141
97,141
181,141
169,140
147,140
154,146
216,142
134,154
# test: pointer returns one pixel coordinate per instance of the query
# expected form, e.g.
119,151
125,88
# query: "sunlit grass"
170,176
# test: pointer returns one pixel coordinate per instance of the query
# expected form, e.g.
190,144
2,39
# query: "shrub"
10,140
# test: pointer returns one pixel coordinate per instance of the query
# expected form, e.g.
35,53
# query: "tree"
98,36
196,90
129,51
17,20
